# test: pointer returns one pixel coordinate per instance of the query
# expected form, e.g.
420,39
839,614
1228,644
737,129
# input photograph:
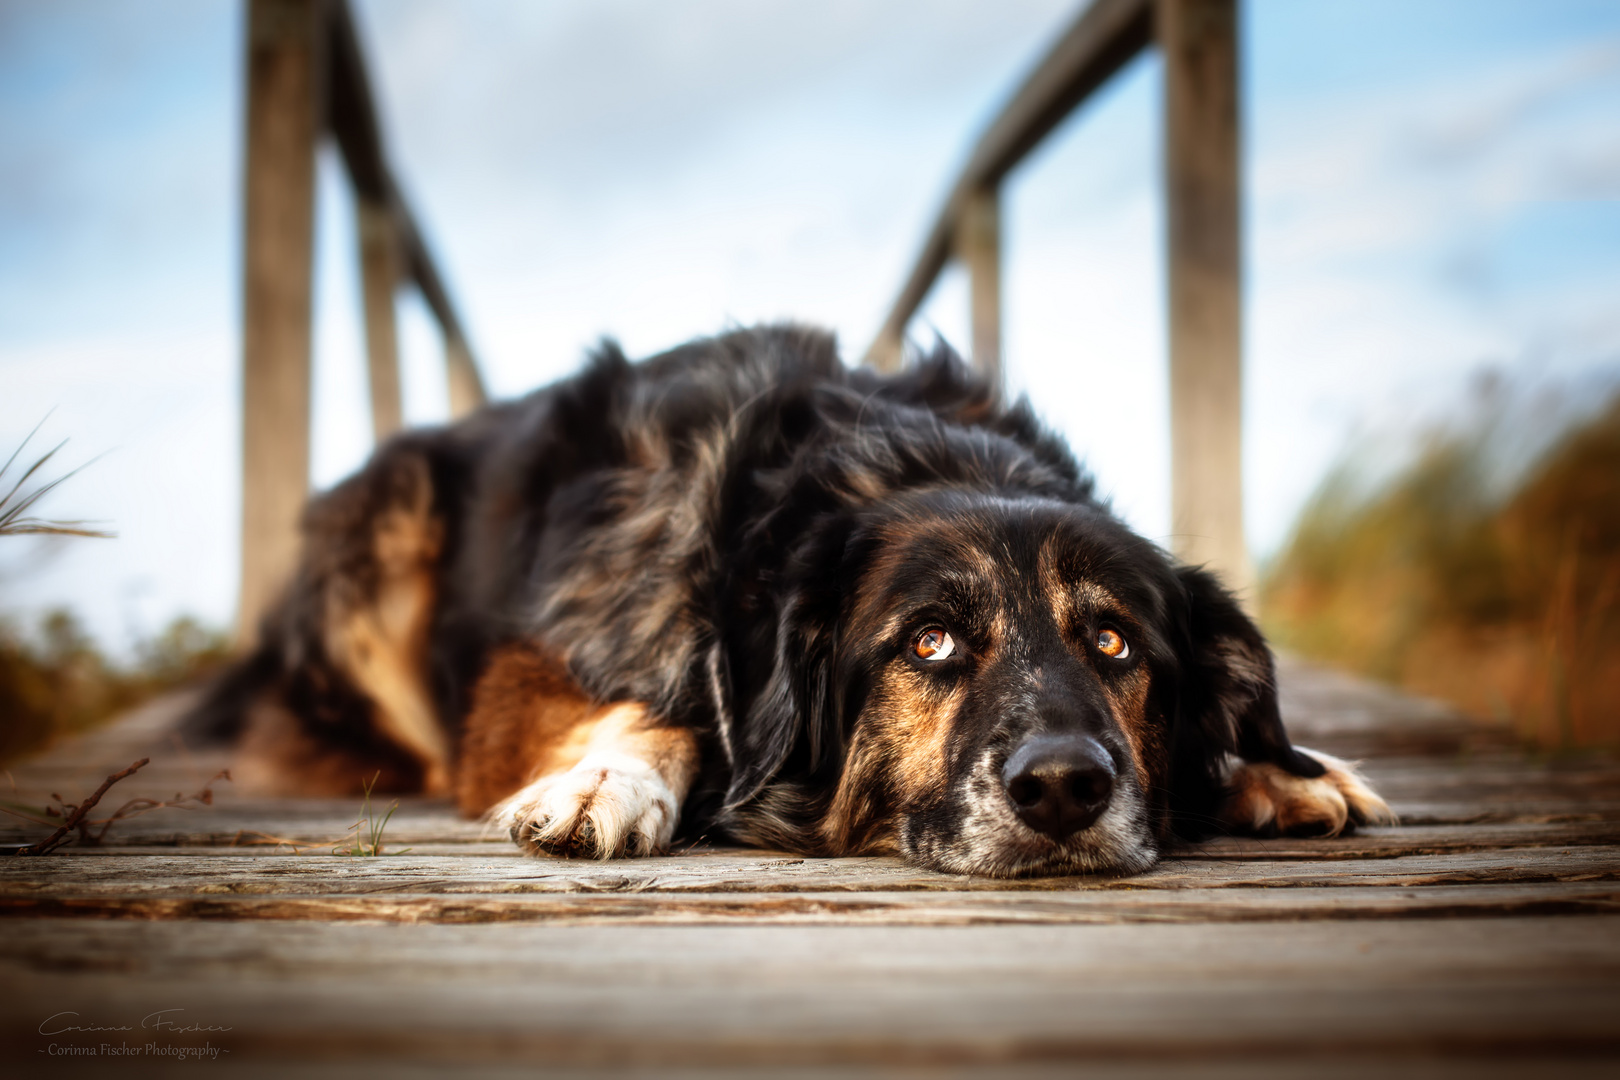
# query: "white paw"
609,804
1266,800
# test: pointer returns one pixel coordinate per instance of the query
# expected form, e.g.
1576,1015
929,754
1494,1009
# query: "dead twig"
137,807
76,812
76,815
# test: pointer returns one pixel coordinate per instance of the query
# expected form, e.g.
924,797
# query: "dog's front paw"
1266,800
609,804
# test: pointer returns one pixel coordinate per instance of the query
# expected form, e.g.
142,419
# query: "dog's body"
740,590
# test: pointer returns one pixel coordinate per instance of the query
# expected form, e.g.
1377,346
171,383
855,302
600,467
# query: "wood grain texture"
827,995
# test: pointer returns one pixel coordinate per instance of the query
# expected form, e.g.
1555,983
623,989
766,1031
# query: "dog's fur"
685,595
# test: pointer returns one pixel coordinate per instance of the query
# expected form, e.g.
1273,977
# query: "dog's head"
998,684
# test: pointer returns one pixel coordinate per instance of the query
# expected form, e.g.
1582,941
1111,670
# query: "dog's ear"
791,724
1226,697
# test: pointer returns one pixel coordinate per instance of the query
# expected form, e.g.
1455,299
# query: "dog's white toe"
609,804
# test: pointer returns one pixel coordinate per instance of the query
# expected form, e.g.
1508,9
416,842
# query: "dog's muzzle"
1059,784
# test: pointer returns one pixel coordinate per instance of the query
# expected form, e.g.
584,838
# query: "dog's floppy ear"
792,722
1227,696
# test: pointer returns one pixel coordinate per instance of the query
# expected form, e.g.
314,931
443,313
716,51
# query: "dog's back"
454,540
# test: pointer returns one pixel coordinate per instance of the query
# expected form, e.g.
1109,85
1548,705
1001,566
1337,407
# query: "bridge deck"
1482,936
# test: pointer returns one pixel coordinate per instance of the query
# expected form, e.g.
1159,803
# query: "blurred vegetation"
1506,603
56,682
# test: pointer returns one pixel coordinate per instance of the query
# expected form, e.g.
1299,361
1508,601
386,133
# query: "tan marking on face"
1070,600
899,745
1073,603
1128,701
900,541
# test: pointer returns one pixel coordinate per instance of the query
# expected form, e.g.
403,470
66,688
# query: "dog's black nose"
1059,784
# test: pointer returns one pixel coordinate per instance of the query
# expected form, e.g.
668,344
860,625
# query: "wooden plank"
983,908
978,246
1198,40
825,995
733,871
284,104
379,273
244,827
1107,35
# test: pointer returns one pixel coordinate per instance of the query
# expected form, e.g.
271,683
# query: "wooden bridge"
1481,937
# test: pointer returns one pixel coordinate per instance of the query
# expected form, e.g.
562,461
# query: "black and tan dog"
739,590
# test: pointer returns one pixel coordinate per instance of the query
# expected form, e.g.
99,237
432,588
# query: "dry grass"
15,502
365,837
1507,604
55,682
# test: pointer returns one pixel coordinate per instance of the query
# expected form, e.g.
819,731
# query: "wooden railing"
306,77
1198,42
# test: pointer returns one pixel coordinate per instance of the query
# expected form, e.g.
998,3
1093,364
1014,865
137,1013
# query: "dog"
742,591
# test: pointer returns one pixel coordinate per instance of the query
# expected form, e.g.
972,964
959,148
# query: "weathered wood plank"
246,831
825,995
1230,905
134,876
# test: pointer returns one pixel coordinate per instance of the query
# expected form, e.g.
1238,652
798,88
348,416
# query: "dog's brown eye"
1109,643
933,644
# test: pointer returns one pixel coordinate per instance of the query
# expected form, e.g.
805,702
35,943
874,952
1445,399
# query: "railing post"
885,352
978,245
1198,39
466,388
379,273
285,66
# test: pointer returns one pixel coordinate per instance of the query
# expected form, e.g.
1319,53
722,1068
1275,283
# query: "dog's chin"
1049,859
997,844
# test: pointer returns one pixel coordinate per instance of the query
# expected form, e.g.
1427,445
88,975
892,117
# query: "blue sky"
1433,190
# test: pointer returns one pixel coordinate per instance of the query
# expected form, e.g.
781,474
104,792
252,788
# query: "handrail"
1106,37
1198,40
306,77
352,118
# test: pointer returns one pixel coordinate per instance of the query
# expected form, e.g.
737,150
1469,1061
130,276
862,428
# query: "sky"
1432,191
